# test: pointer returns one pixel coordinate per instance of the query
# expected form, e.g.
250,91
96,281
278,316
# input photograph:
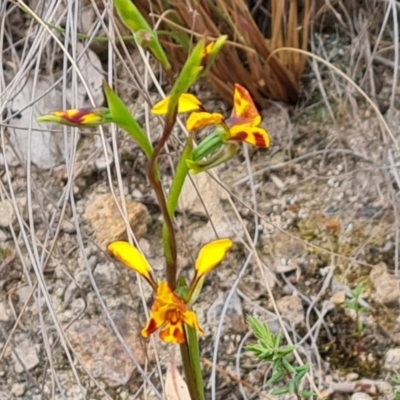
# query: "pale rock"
92,71
47,146
339,297
107,222
360,396
291,309
7,156
3,236
233,318
18,389
102,162
5,312
212,196
7,215
100,351
67,226
392,359
27,354
386,285
106,273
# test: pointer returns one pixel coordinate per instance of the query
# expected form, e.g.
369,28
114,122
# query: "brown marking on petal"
151,328
173,316
240,136
75,116
178,334
260,140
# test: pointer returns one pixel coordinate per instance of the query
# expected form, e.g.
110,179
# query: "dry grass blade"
246,57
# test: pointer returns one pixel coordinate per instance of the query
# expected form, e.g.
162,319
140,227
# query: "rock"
3,235
339,297
233,319
92,70
212,195
386,285
107,222
5,312
392,359
291,308
106,273
7,215
360,396
47,146
208,189
18,389
23,293
7,212
26,352
100,351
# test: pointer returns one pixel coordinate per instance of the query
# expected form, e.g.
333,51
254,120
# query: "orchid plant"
171,313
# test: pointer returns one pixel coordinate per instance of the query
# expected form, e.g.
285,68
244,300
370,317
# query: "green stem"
170,246
191,364
176,187
195,360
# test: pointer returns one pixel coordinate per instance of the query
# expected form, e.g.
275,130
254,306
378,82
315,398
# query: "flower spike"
132,258
169,314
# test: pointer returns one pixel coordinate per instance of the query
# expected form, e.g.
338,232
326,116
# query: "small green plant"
354,304
396,389
269,348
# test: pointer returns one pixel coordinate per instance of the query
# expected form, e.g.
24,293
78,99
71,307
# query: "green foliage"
396,389
269,348
190,72
122,117
145,36
354,304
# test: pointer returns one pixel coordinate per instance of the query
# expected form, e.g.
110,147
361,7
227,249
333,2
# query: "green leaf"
122,117
276,377
350,304
300,375
216,47
306,394
133,19
225,153
284,351
292,386
278,340
280,391
301,368
189,74
396,379
289,367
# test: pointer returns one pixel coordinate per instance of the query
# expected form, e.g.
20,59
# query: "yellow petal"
187,102
244,107
211,255
250,134
190,318
198,120
132,258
